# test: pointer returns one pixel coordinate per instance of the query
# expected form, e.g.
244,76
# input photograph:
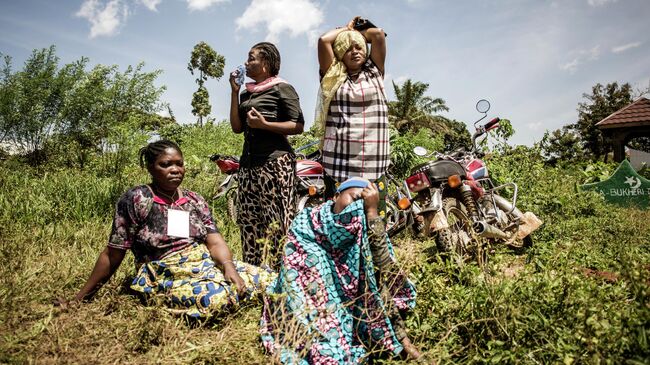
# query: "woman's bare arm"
222,256
107,263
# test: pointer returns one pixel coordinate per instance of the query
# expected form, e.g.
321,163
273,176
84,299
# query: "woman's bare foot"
411,351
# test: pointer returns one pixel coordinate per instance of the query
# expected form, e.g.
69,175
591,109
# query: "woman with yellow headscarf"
353,110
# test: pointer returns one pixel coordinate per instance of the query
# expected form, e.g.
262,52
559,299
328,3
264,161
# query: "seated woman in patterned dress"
181,256
339,292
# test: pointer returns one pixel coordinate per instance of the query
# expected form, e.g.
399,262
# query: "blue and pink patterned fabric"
326,307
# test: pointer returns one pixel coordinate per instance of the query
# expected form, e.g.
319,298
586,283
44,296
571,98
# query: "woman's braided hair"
271,55
149,153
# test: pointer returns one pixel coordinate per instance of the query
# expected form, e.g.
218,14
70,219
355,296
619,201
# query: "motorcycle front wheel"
457,237
392,217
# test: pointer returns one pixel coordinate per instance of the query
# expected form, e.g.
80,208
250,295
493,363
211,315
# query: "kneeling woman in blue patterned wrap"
181,256
339,292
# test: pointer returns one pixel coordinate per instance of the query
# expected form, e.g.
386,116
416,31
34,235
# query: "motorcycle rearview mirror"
482,106
420,151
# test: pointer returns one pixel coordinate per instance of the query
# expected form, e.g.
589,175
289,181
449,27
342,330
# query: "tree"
457,137
209,64
640,143
74,113
414,110
603,101
562,145
8,115
31,100
105,103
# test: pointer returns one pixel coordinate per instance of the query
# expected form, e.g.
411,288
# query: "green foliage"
603,101
598,171
457,137
640,143
498,138
31,100
579,295
201,102
209,64
72,116
414,110
401,149
561,146
7,97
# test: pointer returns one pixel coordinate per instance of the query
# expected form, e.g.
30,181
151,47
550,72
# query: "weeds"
581,294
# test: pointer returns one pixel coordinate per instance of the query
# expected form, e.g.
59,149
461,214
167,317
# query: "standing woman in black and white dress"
266,112
353,108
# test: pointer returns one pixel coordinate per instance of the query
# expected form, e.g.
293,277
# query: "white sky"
532,59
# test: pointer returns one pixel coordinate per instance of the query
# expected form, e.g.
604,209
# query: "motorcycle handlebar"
491,123
481,130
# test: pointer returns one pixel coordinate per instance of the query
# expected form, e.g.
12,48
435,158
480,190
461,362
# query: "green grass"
581,294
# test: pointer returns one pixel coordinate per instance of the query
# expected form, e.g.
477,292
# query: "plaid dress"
356,130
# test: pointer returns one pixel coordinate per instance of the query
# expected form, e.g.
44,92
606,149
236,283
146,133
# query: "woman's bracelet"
227,261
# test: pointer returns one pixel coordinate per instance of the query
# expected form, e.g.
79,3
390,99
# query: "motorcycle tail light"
454,181
227,166
404,203
418,182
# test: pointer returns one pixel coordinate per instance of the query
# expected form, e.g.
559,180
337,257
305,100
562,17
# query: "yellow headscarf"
337,72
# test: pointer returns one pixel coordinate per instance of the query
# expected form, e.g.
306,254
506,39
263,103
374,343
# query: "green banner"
625,187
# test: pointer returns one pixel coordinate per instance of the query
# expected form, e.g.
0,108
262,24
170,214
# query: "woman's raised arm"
377,39
326,43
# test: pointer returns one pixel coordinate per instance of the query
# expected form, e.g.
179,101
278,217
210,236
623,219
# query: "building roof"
634,115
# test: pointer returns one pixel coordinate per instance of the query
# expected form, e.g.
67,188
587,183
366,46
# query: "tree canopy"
414,110
73,110
209,64
603,101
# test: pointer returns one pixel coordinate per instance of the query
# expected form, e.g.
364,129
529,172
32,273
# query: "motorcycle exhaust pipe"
486,230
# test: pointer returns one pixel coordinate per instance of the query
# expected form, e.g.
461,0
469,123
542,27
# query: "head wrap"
337,72
353,182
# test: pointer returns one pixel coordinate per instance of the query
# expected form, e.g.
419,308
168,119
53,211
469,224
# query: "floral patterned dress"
177,270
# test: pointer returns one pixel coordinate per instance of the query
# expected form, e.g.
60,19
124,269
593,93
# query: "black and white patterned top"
356,130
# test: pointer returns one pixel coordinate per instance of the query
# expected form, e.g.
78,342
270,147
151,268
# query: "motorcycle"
310,185
458,202
401,211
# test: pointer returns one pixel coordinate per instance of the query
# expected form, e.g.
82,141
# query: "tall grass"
579,295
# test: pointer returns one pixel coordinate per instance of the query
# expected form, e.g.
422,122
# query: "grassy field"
581,294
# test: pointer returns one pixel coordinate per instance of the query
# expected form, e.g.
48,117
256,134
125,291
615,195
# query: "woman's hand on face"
233,84
255,119
370,196
231,274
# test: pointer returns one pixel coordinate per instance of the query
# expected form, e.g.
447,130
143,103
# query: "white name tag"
178,223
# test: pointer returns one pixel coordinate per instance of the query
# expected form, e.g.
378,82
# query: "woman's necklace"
354,76
170,198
